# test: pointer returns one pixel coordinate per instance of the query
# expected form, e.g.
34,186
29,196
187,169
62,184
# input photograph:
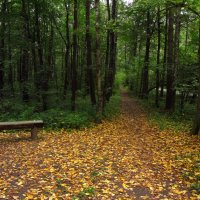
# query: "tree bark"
176,43
145,73
89,54
164,57
2,46
196,124
25,53
99,107
67,51
158,59
107,59
10,72
112,56
74,59
50,58
42,74
170,97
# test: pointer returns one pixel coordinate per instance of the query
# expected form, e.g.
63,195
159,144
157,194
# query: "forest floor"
126,158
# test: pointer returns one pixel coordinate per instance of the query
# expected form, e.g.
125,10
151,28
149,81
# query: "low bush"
177,121
60,116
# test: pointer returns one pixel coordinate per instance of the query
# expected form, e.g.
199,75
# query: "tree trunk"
145,73
99,109
25,53
170,97
164,57
74,59
34,61
89,54
10,72
112,56
67,51
50,58
138,79
42,75
158,60
107,59
196,124
176,43
2,45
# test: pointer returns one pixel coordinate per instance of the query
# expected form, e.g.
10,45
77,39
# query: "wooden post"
34,132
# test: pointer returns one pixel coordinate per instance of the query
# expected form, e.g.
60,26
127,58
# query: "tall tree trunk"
42,79
145,74
34,61
112,56
74,60
170,97
196,124
138,79
89,54
164,57
2,45
25,53
158,59
107,59
67,51
99,109
10,72
108,36
176,43
50,56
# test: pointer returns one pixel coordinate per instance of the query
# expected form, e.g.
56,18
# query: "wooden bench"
33,125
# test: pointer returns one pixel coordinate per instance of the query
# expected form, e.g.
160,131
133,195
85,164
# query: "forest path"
126,158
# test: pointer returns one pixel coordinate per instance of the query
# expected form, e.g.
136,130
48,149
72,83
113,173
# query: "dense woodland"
162,53
76,64
64,50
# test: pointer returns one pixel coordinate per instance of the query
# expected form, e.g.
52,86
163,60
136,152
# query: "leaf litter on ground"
126,158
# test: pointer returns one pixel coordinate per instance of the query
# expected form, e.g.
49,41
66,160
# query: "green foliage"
94,174
177,121
58,116
190,175
53,118
15,110
61,186
195,187
112,109
85,193
119,79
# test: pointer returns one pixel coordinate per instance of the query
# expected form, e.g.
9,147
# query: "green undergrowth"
178,121
59,115
113,107
85,194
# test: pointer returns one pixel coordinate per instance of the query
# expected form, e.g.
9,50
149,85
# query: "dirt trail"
126,158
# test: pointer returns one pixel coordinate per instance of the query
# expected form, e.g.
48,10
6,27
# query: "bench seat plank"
21,124
33,125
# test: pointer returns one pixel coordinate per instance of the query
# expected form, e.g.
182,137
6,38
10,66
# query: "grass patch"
112,109
179,121
195,187
85,194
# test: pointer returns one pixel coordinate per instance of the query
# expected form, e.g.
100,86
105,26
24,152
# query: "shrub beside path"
126,158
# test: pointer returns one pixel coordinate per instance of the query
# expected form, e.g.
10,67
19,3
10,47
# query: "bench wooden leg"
34,133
